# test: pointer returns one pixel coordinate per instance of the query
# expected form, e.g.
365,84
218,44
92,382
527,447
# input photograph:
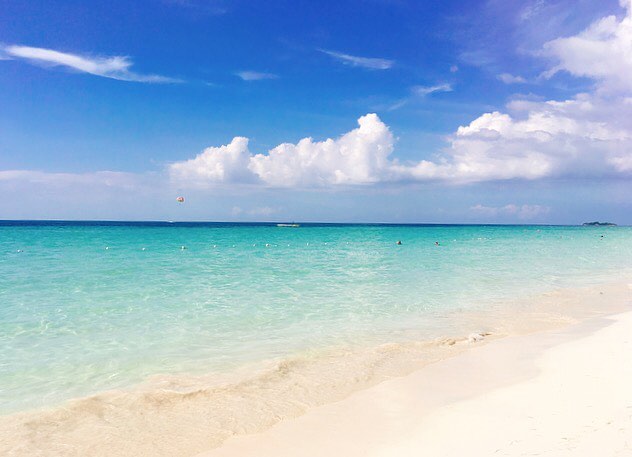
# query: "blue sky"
453,111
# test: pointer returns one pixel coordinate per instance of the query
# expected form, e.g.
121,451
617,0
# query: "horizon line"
157,221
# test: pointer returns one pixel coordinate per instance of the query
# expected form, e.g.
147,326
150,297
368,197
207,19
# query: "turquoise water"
88,307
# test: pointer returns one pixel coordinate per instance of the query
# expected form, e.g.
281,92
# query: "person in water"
399,243
437,243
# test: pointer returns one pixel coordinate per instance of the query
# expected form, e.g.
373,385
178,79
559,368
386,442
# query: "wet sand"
567,370
564,392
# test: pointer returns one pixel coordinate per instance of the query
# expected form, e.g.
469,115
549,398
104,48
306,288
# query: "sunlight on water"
90,307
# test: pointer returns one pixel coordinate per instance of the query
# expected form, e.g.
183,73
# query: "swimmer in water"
437,243
399,243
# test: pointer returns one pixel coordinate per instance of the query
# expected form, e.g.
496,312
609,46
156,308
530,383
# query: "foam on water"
87,308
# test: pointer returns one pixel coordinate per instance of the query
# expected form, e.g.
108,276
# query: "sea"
93,307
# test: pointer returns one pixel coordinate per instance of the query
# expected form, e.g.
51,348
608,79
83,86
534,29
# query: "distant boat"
289,225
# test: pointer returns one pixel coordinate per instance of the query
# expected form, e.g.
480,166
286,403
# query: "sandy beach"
552,389
559,393
383,228
380,228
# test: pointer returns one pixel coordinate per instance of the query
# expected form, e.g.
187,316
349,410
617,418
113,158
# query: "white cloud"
422,91
585,136
523,212
511,79
265,211
116,67
589,135
602,52
357,157
106,178
255,75
364,62
418,92
532,10
397,104
227,163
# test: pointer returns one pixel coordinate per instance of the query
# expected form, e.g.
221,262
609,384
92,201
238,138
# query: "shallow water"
86,307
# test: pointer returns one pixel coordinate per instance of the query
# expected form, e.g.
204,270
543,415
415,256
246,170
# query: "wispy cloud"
508,78
397,105
115,67
255,75
364,62
418,92
427,90
265,211
532,10
116,179
524,212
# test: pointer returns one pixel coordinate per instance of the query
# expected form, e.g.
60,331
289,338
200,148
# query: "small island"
599,224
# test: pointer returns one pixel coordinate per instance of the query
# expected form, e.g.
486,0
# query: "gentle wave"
183,415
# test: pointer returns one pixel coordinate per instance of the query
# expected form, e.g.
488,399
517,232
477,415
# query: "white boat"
288,225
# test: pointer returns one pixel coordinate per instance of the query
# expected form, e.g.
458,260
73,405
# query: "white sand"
561,393
558,392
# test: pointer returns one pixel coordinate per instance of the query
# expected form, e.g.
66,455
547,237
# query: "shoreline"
562,392
204,415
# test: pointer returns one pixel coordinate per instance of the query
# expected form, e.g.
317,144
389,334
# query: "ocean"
91,307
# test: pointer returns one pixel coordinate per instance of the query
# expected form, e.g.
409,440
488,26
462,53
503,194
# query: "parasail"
180,199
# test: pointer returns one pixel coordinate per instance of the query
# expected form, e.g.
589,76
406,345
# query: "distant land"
599,224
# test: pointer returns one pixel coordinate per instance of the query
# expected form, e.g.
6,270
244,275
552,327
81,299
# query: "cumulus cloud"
588,135
364,62
524,212
422,91
116,67
602,52
228,163
582,137
255,75
357,157
511,79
